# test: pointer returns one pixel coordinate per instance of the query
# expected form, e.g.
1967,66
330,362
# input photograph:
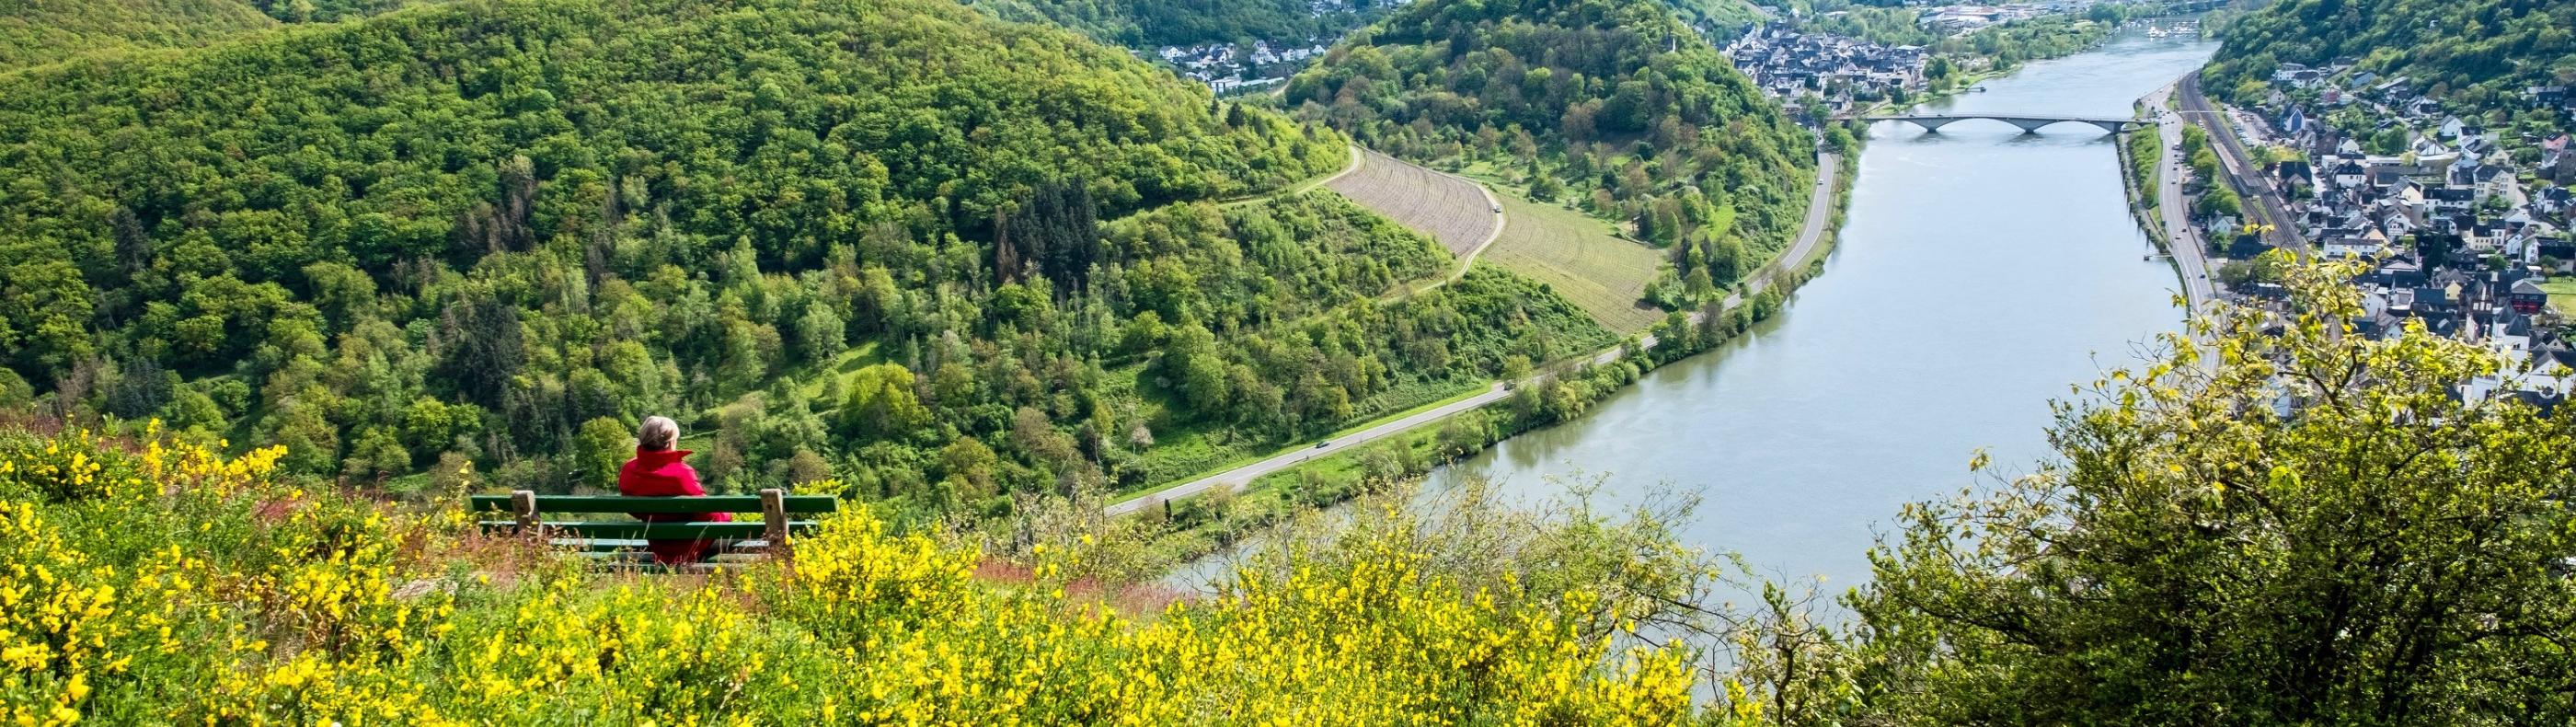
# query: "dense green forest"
1155,23
1613,105
2478,53
324,11
43,31
890,240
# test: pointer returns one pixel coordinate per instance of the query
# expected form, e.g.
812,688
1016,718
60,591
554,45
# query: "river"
1981,271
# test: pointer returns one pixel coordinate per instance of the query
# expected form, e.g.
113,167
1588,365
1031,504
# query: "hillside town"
1228,68
1232,68
1789,65
2466,226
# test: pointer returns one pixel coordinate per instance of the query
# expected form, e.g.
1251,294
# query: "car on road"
1323,444
1498,209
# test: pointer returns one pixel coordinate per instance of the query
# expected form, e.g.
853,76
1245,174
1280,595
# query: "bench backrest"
526,507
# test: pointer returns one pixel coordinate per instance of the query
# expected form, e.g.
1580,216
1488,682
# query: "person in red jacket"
656,471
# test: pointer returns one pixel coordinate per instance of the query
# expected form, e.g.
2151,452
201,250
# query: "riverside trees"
2310,527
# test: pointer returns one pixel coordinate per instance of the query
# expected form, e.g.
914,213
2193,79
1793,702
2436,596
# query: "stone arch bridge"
2028,124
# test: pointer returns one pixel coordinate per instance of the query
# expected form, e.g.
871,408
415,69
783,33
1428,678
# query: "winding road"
1811,233
2190,252
1810,236
1237,478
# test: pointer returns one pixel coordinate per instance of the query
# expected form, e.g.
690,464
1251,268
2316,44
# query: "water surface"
1980,273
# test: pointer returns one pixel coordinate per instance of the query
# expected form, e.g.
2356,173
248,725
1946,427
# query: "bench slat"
643,530
655,505
635,547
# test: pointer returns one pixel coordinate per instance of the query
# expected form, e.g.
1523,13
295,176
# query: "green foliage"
473,228
34,32
601,446
1722,16
172,586
1881,25
324,11
882,405
2220,200
2143,152
1359,359
2276,522
2011,44
2273,266
1611,104
1155,23
2479,54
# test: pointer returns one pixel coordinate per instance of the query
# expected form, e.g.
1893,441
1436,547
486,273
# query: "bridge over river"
2028,124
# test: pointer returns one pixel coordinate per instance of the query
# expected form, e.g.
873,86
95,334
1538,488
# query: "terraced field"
1579,257
1451,210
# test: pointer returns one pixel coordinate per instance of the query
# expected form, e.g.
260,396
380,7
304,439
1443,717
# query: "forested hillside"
1151,23
323,11
2478,53
887,239
1611,104
41,31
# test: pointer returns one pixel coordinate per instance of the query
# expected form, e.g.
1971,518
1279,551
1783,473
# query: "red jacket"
660,473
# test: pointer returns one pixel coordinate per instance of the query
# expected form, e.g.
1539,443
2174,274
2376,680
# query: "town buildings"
1789,65
2459,235
1227,68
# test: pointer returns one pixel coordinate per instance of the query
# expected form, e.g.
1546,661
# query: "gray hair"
658,433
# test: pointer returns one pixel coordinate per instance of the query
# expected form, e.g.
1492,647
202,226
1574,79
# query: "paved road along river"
1981,272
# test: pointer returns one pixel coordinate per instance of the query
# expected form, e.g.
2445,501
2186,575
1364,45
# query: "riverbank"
2139,152
1980,270
1994,66
1212,516
1966,84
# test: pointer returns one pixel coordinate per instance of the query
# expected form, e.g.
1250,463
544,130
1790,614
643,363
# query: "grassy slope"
1722,13
2562,296
1579,257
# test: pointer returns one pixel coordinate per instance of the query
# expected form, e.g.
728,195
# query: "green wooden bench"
625,539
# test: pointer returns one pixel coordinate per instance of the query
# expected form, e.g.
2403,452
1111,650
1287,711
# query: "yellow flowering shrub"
56,622
163,582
